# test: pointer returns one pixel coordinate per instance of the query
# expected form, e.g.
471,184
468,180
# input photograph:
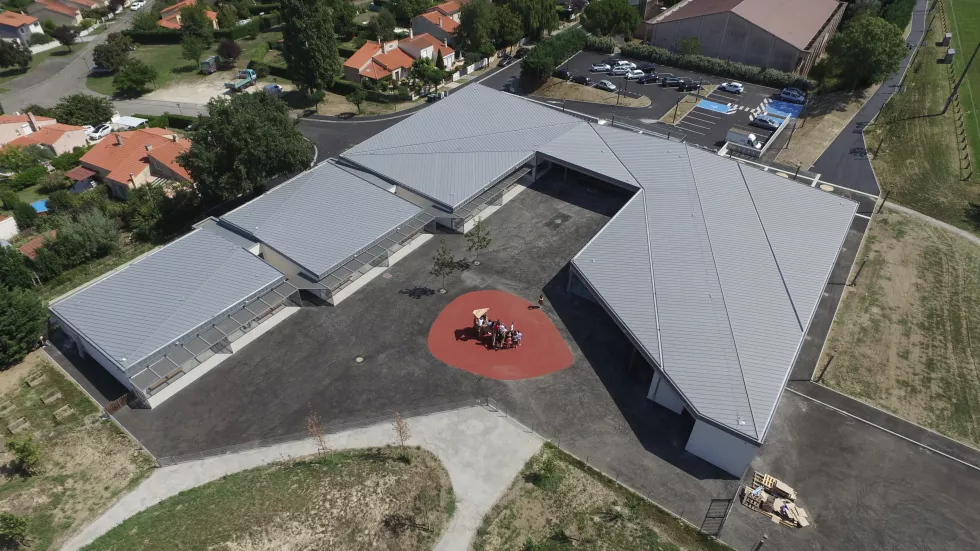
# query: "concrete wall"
720,448
289,268
664,394
8,228
727,36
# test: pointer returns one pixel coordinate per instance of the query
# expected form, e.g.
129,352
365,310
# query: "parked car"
765,122
136,6
624,63
606,85
97,71
647,79
583,80
505,61
669,80
688,85
562,74
600,68
98,132
793,95
521,52
273,90
647,67
732,87
620,71
633,74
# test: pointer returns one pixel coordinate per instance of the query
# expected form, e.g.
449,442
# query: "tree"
537,16
227,17
357,97
862,8
27,453
440,61
424,73
13,54
14,272
134,78
309,44
47,264
383,26
113,53
192,48
39,110
242,8
48,25
867,51
16,159
229,51
478,239
23,318
145,21
509,29
143,211
81,109
444,264
93,235
115,5
610,17
62,202
477,28
25,216
195,22
403,433
240,143
689,46
344,18
13,530
405,10
65,35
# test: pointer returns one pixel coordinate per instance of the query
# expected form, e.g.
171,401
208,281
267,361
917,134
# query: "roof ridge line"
721,289
383,149
779,270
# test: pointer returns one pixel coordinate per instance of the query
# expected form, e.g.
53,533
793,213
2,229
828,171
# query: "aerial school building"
712,269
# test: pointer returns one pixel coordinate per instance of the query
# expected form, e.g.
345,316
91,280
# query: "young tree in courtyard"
403,433
357,97
478,239
23,318
27,453
65,35
444,264
610,17
309,44
192,48
315,430
227,162
866,52
13,530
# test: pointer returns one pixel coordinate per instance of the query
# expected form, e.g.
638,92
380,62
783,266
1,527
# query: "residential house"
170,16
17,27
16,126
132,159
82,179
8,227
440,21
788,35
394,58
30,248
59,138
60,14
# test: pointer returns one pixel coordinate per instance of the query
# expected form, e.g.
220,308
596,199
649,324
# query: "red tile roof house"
170,16
440,21
127,160
59,13
376,61
59,138
15,126
30,248
17,27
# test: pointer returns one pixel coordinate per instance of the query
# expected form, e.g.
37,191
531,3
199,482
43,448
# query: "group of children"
500,335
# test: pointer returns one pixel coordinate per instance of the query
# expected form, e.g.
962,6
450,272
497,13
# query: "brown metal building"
789,35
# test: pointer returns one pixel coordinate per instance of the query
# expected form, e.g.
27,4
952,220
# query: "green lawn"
361,499
964,23
557,502
914,148
907,336
10,74
87,462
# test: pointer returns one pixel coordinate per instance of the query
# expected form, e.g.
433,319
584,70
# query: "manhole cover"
359,359
826,187
386,275
558,221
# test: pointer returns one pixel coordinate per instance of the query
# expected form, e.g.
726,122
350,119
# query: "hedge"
40,38
603,45
180,122
541,61
153,37
240,31
267,22
264,8
898,12
719,67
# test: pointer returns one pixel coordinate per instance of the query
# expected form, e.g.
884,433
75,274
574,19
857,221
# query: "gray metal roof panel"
583,147
322,216
160,298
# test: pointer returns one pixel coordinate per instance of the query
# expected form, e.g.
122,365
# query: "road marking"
684,120
690,116
705,113
689,130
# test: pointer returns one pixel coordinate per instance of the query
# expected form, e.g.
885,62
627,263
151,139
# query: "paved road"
846,163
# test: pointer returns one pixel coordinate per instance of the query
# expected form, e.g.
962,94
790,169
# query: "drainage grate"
558,221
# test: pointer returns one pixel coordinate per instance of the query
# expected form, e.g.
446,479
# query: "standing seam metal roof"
160,298
321,217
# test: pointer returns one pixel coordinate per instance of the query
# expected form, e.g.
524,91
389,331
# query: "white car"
620,71
634,74
600,68
98,132
732,87
792,95
624,63
136,6
606,85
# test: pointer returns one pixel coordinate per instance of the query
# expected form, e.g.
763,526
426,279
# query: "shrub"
541,62
8,199
40,38
53,181
13,529
69,160
719,67
601,44
264,8
261,68
179,122
26,452
898,12
86,24
27,178
25,215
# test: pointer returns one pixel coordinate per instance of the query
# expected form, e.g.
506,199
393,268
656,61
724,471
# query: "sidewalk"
482,451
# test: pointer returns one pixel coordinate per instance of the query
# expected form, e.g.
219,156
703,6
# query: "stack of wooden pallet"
776,499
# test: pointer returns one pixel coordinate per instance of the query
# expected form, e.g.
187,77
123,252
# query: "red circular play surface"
452,338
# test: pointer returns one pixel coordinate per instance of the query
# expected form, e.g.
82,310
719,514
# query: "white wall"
722,449
289,268
664,394
8,228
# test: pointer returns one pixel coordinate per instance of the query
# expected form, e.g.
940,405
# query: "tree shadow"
972,214
417,292
184,69
61,53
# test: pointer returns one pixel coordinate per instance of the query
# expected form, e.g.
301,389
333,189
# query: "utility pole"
619,91
960,81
